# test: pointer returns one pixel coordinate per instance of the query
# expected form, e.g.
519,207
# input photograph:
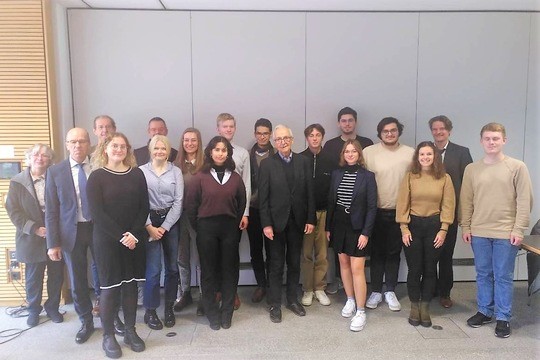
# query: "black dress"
118,203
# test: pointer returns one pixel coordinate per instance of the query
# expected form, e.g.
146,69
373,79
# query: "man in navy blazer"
455,159
287,211
69,226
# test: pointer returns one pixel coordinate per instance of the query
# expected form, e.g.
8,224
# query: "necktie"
82,193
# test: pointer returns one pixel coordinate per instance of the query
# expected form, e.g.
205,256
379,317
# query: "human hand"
269,232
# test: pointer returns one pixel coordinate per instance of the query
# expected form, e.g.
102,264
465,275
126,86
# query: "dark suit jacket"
275,202
25,213
364,201
61,205
456,158
142,156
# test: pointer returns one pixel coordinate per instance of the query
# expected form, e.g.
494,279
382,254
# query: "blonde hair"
496,127
154,141
100,158
358,148
224,117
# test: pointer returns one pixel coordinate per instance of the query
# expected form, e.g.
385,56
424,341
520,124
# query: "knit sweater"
423,195
496,199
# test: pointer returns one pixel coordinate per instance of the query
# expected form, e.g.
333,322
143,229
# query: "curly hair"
437,168
209,162
100,158
358,148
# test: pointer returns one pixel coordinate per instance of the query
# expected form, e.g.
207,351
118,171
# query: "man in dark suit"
68,222
287,211
455,159
156,126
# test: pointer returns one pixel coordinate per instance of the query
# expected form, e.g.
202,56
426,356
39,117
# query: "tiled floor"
322,334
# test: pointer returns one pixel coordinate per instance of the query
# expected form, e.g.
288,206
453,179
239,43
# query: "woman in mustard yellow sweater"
425,209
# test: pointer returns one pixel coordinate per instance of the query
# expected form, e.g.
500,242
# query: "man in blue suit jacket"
69,226
455,159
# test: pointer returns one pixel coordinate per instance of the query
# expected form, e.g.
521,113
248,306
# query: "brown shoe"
446,302
95,309
237,302
258,294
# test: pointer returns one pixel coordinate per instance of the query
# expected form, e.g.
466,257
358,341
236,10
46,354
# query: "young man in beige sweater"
495,205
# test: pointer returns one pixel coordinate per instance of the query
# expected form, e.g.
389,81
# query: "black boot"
119,327
131,338
111,347
152,320
169,318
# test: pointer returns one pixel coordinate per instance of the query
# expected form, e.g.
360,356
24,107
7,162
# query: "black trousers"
422,258
286,246
385,251
77,265
445,280
126,294
257,244
217,243
34,273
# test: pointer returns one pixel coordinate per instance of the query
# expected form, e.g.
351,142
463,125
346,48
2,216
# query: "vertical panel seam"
527,88
417,81
191,66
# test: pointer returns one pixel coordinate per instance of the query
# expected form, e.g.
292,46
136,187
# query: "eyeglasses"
118,146
39,155
283,139
388,132
79,141
262,133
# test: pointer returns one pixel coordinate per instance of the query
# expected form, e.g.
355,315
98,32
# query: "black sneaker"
478,320
502,329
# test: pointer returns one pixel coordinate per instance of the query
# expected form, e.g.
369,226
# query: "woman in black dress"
352,205
118,199
216,204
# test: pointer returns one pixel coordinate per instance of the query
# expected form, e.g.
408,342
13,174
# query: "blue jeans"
169,243
494,260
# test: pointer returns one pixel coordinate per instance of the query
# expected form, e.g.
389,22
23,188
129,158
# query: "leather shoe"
85,332
200,308
446,302
184,301
226,321
237,302
275,314
119,327
169,317
111,347
258,294
215,326
152,320
33,319
55,316
133,340
297,309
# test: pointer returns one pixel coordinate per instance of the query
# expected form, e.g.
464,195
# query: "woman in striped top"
352,205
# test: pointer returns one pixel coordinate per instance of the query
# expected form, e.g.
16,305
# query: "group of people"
320,212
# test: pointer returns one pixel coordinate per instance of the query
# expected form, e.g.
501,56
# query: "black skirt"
344,239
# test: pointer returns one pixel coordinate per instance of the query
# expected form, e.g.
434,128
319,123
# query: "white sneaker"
392,301
358,321
349,309
307,299
374,299
320,295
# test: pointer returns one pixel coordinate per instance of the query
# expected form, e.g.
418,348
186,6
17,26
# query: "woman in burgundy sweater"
215,207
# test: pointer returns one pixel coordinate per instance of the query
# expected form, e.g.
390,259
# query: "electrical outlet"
13,266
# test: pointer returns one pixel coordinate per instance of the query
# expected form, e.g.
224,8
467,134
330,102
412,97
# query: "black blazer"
364,201
25,213
456,158
275,203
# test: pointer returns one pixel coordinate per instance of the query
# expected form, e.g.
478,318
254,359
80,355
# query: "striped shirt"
345,189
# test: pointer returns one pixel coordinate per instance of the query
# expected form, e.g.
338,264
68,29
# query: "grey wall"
302,67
